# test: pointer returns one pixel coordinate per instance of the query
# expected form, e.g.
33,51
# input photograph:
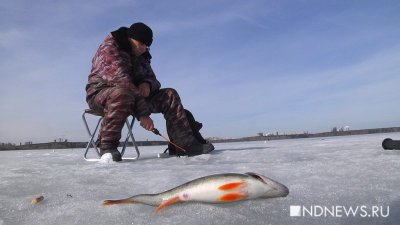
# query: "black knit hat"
141,32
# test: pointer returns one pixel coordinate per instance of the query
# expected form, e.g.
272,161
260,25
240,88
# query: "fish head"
264,187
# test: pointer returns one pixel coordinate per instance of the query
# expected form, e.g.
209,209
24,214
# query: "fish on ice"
218,188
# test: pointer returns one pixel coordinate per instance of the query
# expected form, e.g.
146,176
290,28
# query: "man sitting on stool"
122,83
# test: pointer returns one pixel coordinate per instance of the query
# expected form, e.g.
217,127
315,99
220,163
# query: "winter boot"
197,148
112,148
116,155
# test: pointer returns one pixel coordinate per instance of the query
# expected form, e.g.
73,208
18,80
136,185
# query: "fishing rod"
156,132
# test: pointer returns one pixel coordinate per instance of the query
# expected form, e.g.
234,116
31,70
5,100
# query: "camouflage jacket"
114,65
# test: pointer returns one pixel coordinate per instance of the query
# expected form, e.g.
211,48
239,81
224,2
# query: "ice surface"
339,171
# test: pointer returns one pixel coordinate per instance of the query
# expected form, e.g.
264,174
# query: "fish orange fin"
120,201
231,197
168,202
230,186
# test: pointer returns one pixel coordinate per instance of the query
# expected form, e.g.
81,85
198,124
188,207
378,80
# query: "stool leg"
91,136
129,126
130,135
94,133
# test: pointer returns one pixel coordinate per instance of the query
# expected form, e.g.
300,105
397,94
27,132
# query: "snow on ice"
333,173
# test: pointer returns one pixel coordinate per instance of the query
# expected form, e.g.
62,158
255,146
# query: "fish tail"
119,201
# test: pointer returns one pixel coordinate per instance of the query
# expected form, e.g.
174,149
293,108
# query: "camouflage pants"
118,103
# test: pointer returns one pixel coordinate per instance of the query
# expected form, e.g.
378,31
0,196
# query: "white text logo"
339,211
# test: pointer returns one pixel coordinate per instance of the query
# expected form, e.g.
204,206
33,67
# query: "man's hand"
144,89
146,122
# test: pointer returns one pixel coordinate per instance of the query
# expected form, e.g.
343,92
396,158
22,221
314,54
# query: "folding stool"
92,135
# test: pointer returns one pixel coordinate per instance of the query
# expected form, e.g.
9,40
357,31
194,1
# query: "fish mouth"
283,190
279,189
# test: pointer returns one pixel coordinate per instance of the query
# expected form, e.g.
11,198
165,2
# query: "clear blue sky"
241,67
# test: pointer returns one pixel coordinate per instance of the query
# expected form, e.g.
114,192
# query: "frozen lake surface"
321,173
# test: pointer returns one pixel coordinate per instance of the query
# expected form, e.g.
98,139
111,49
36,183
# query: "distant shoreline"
71,145
309,135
